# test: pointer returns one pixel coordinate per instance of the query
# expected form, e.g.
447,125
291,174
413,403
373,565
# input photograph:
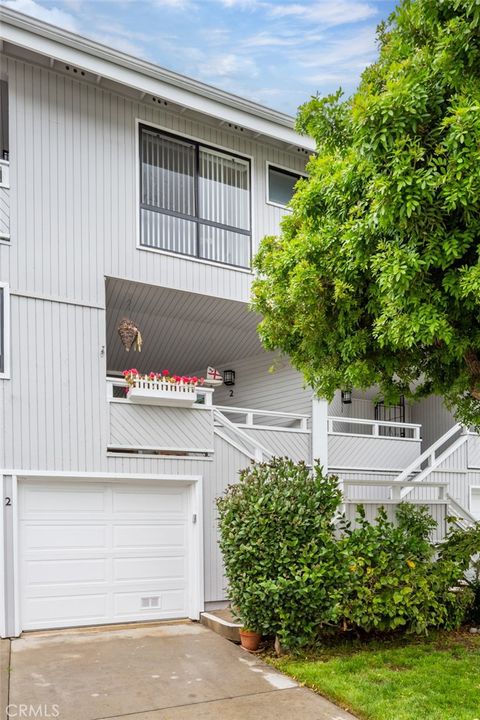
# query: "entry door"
93,553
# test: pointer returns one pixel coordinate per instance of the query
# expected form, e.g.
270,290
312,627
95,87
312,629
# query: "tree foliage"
375,278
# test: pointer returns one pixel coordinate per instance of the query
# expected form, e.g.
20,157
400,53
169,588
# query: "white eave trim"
69,48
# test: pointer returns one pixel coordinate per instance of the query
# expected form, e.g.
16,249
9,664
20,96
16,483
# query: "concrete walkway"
160,672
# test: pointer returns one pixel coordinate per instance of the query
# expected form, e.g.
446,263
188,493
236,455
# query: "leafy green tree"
375,278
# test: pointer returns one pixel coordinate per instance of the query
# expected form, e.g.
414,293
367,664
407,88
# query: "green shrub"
463,547
395,582
279,549
296,568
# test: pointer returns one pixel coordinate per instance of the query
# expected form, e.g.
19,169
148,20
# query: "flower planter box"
157,392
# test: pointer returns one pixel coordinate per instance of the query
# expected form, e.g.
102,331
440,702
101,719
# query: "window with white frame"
281,185
4,332
194,200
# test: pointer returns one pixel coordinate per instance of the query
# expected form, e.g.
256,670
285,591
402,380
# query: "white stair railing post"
320,431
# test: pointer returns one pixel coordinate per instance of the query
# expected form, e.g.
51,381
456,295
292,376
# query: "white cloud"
174,4
267,39
327,13
52,15
242,3
351,52
227,66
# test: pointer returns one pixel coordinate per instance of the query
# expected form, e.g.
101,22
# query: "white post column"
320,431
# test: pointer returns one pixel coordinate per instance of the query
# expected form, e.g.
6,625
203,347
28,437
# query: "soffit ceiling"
182,332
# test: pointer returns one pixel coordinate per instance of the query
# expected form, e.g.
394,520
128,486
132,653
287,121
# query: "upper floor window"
281,185
4,331
194,200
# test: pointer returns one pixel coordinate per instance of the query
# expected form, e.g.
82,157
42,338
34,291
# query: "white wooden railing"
249,418
463,519
430,456
238,438
375,428
395,488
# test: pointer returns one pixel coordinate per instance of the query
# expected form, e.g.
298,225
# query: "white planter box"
160,393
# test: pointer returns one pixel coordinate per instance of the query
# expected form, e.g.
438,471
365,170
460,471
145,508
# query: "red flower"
152,376
194,379
165,372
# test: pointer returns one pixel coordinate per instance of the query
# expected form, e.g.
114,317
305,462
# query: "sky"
275,52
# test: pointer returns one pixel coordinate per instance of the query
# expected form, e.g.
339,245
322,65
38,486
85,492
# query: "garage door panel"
102,553
149,568
55,499
63,536
149,502
65,572
65,610
153,536
156,600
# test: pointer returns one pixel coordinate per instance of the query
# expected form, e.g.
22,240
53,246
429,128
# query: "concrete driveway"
160,672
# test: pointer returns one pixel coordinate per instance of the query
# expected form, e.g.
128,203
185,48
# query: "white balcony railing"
148,391
375,428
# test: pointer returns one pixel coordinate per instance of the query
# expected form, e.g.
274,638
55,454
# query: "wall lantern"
346,397
229,377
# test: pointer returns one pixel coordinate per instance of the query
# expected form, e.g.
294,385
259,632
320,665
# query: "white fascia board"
146,77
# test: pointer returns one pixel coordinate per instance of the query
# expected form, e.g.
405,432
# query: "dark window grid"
194,218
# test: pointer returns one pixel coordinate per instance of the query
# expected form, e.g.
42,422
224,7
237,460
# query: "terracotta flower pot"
250,640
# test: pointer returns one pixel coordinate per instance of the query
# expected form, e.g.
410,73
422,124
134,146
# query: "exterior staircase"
439,459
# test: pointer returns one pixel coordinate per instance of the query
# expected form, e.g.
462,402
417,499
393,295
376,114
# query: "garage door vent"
150,602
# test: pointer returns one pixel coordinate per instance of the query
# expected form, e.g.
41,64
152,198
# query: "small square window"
281,185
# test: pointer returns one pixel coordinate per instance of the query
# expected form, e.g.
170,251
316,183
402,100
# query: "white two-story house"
130,192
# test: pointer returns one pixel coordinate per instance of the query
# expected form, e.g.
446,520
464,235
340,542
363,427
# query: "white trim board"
5,375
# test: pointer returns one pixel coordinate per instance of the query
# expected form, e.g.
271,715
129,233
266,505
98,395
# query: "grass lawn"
433,679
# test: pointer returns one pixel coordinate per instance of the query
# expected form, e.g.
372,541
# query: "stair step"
222,622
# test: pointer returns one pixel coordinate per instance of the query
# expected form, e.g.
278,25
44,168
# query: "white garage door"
93,553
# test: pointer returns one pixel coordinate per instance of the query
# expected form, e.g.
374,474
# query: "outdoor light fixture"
346,397
229,377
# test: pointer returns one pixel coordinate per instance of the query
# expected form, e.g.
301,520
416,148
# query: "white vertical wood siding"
4,212
265,382
53,409
474,452
434,417
74,164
